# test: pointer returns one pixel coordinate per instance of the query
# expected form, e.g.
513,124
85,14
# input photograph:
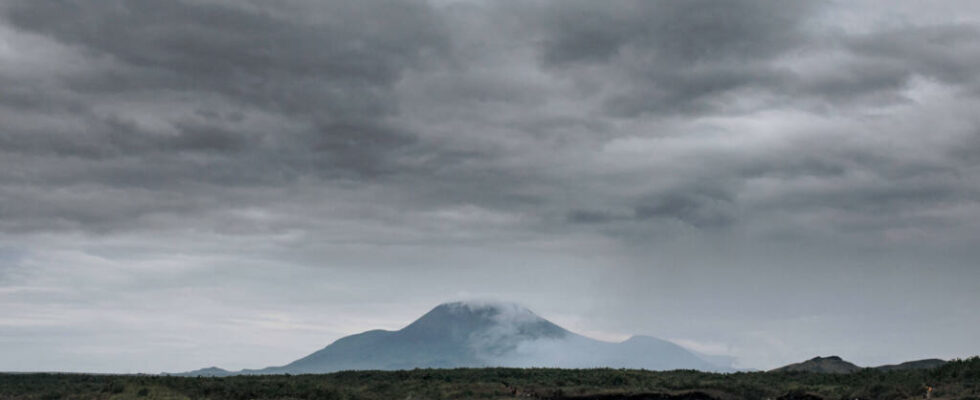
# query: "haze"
236,183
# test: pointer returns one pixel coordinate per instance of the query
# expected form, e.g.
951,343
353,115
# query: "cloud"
668,58
698,209
202,104
414,148
201,60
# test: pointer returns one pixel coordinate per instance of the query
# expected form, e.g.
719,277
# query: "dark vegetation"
958,379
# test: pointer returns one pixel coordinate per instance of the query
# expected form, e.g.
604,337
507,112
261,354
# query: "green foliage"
955,380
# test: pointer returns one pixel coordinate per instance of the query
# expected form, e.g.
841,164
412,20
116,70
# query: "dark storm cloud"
703,210
677,56
105,138
671,33
947,53
969,152
201,160
191,97
242,51
517,110
591,217
874,67
699,57
334,72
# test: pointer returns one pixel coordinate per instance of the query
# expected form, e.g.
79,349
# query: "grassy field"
959,379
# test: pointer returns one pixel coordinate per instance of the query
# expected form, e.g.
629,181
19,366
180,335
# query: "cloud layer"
349,155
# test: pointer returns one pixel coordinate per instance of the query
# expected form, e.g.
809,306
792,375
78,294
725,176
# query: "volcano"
484,334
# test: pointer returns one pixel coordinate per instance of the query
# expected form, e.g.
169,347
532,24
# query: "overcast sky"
237,183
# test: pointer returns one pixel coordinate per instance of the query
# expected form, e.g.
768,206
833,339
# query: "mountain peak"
500,310
481,304
462,320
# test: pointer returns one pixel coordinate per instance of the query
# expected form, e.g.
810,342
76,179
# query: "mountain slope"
831,365
486,334
917,364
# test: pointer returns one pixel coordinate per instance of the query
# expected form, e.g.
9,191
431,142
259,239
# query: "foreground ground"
955,380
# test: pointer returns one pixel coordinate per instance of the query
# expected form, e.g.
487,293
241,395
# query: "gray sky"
218,182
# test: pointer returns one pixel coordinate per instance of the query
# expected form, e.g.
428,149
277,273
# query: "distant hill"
210,371
484,335
917,364
836,365
831,365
